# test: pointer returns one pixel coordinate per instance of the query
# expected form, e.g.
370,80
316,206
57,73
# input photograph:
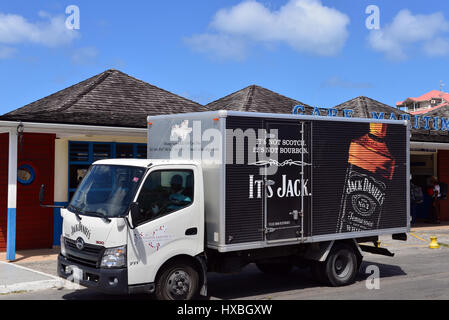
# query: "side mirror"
41,199
42,193
135,212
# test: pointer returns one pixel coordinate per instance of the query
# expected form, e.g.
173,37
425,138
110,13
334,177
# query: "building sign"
415,121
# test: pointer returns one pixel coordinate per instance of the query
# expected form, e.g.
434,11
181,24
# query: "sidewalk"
33,255
25,273
429,227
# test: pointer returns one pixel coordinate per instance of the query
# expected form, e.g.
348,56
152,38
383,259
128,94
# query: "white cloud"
50,31
304,25
6,52
408,32
436,47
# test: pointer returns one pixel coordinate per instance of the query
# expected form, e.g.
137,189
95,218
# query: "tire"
275,267
341,266
177,281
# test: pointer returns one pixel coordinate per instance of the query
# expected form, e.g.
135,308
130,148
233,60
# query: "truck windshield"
106,190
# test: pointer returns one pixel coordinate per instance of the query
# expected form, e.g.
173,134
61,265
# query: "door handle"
191,231
295,214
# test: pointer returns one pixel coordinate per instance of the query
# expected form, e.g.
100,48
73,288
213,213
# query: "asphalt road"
416,272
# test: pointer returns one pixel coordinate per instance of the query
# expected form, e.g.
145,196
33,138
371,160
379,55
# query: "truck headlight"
62,241
114,257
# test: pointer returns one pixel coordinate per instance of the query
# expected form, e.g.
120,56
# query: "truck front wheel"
177,281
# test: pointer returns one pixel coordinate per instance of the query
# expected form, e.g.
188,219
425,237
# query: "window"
107,190
124,150
79,152
83,154
101,151
141,151
164,192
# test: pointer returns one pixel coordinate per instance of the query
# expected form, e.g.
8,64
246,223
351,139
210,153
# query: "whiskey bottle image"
369,173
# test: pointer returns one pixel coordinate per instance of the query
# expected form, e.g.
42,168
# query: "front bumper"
112,281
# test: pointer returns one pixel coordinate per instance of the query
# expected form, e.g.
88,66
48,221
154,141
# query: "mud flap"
376,250
202,262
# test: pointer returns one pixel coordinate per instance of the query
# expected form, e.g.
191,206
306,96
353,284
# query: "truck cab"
132,223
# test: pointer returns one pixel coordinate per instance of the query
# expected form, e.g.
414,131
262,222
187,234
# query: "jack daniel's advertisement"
369,173
340,177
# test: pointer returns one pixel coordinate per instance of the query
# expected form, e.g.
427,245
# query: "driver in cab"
176,199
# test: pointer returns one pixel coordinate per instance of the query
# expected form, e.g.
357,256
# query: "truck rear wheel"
178,281
340,267
275,267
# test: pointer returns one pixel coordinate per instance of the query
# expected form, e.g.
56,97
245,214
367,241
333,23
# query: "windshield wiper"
98,214
74,209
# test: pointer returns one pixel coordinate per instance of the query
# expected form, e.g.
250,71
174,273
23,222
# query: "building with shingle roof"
111,98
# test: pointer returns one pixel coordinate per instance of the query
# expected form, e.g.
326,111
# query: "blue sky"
318,52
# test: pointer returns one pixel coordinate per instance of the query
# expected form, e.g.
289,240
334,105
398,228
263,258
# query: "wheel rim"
178,284
342,265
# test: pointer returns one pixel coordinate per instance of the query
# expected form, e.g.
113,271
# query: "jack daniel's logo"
365,185
362,202
80,228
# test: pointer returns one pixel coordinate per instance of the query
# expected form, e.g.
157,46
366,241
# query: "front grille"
90,248
90,255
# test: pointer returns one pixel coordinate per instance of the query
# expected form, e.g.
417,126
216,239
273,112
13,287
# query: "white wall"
62,159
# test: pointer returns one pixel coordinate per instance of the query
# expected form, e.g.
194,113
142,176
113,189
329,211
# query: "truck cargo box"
277,179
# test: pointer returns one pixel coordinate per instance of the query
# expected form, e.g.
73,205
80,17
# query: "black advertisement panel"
290,178
359,177
268,179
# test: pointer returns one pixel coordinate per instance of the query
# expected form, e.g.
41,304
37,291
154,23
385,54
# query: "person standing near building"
435,204
416,198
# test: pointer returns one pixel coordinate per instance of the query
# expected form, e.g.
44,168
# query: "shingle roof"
364,106
111,98
432,135
257,99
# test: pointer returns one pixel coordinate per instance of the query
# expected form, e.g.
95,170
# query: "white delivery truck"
224,189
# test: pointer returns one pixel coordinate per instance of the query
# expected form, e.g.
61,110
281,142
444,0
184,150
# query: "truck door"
170,221
288,191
